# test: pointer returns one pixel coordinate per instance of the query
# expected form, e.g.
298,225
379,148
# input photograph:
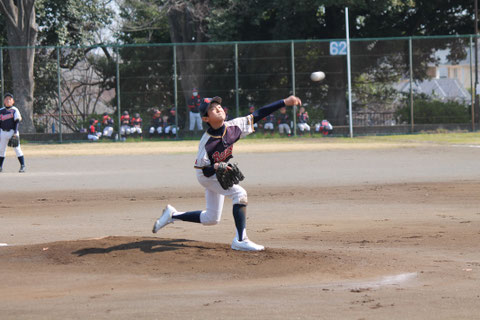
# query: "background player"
156,125
325,127
193,105
303,120
170,127
268,126
283,122
136,123
124,125
10,118
92,133
107,123
216,146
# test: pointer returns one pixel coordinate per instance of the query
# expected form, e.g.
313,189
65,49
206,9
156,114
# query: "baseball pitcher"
216,175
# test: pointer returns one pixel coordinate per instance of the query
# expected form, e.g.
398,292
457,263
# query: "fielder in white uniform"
216,145
10,118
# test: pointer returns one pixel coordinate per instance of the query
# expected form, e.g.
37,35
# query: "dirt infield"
382,232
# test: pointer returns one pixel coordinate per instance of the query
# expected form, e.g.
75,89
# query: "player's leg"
287,129
20,157
239,201
191,120
198,119
3,146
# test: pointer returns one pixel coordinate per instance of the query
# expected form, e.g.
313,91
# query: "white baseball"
317,76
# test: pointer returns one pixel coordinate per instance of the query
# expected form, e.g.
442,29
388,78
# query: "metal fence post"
472,92
349,71
119,111
292,59
476,62
1,73
175,88
237,97
410,59
59,93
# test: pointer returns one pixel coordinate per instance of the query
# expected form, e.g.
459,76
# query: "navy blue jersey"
283,118
9,119
194,103
157,122
303,117
217,145
270,118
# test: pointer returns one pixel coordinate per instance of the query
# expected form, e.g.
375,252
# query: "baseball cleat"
22,169
246,245
165,219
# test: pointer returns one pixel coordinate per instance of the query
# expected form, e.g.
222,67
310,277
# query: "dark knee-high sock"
21,160
191,216
1,161
240,217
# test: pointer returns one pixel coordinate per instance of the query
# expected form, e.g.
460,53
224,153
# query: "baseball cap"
205,105
8,94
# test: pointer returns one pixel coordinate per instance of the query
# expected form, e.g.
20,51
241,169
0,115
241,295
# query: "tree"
62,23
177,21
76,25
247,20
22,32
232,20
145,72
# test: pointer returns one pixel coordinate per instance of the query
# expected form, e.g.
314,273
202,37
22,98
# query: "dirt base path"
350,234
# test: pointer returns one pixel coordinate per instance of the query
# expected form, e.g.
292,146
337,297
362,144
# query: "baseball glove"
13,142
229,174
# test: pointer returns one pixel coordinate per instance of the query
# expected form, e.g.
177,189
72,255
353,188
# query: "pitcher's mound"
159,256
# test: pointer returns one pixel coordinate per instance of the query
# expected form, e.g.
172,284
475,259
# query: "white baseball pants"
195,119
107,131
303,127
283,127
158,129
215,196
268,126
4,137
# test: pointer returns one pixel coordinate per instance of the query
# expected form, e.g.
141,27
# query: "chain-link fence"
399,85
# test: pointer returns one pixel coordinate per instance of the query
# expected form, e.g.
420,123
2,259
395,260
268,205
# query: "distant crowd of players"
163,123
